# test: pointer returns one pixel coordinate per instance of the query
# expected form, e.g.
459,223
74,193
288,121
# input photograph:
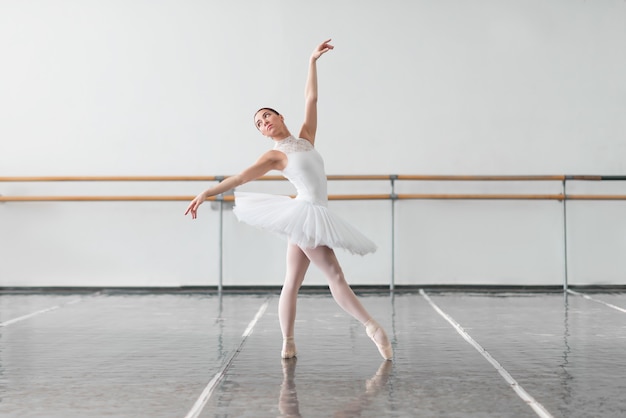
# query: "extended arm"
309,127
271,160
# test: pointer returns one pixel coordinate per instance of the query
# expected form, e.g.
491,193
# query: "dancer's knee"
335,275
290,287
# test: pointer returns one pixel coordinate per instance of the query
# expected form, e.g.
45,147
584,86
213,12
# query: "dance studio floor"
198,354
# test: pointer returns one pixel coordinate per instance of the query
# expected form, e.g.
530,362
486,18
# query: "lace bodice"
292,144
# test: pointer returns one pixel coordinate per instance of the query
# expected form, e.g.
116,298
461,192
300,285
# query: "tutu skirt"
303,223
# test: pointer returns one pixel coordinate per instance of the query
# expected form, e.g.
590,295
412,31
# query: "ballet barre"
393,197
274,178
230,198
354,177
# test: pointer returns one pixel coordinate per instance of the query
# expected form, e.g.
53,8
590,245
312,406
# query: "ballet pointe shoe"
289,348
378,335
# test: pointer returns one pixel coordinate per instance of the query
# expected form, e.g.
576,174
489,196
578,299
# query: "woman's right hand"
195,203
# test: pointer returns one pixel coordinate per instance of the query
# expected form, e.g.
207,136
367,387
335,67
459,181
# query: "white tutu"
304,223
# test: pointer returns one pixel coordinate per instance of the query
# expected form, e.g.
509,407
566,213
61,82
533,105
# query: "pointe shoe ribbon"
384,346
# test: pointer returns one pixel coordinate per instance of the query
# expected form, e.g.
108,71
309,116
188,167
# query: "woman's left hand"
321,49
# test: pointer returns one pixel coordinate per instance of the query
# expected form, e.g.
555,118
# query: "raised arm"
309,127
271,160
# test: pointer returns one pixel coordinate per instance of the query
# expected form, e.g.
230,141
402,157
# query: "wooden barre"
35,179
376,177
230,198
123,178
423,177
108,178
98,198
469,196
482,178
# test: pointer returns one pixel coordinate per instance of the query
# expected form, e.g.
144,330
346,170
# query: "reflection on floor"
208,355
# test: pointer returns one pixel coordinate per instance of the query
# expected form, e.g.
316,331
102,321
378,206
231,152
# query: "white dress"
305,220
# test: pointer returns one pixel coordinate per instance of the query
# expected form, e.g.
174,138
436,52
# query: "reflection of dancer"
312,230
372,387
289,406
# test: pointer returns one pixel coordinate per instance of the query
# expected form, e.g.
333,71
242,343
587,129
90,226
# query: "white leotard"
305,220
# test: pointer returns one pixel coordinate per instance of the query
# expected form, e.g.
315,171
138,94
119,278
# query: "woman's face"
268,122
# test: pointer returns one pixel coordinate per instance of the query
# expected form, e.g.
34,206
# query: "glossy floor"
202,355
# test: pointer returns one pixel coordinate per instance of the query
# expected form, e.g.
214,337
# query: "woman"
312,230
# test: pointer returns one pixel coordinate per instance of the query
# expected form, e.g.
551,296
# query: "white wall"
170,87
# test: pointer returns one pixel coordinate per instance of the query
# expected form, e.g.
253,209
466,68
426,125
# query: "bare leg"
324,258
297,264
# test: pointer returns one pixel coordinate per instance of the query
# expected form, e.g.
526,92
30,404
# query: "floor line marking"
610,305
204,397
526,397
41,311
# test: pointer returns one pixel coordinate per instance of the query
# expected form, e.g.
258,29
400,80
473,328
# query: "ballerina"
311,229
